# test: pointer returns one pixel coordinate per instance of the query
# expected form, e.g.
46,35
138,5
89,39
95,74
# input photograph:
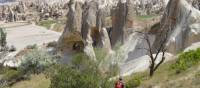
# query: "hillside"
94,43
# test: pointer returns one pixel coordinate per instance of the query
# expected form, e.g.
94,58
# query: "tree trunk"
151,70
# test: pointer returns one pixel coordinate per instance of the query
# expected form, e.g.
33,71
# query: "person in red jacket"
119,83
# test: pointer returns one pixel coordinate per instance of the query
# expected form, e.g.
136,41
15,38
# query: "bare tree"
162,35
154,52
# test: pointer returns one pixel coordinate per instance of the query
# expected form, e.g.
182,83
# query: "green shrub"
34,46
11,74
83,73
145,17
187,60
46,23
37,61
100,54
134,82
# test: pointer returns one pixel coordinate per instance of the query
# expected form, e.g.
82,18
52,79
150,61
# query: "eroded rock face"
183,20
89,19
105,40
89,25
119,18
71,39
74,17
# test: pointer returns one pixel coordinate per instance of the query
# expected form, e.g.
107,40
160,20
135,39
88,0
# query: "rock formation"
23,10
183,20
119,19
72,33
89,22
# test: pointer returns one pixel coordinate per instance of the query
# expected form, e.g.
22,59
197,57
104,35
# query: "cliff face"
88,20
119,18
182,20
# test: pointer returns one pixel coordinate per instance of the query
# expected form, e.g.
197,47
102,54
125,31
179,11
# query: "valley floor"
31,34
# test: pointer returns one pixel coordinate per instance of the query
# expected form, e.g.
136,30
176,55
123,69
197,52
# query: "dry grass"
36,81
165,77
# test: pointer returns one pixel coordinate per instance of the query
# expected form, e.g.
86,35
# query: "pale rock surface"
141,64
119,19
183,23
193,46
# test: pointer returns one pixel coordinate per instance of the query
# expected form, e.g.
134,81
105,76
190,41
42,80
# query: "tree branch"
162,60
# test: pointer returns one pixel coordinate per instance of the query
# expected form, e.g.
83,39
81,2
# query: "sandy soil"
22,36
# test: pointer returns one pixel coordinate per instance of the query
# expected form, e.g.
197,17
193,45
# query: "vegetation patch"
36,61
135,81
82,73
36,81
145,17
187,60
171,74
57,25
46,23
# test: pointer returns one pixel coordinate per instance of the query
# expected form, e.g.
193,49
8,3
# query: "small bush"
52,44
46,23
12,48
187,60
134,82
37,61
145,17
34,46
11,74
100,54
82,73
